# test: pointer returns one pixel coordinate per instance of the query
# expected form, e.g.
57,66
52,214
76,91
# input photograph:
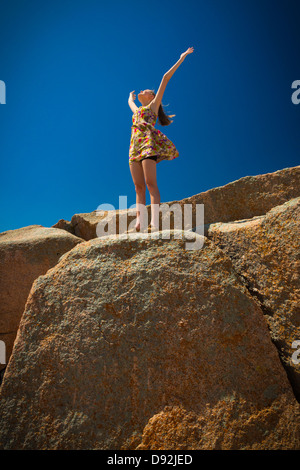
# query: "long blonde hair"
163,118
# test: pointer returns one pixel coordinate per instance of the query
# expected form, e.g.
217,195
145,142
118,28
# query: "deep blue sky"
69,66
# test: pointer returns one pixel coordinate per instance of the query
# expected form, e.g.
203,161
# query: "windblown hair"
163,118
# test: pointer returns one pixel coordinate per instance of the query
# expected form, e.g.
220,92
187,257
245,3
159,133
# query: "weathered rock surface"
64,225
86,224
244,198
119,330
265,252
25,254
230,424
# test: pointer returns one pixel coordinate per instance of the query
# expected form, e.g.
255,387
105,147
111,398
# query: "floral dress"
146,141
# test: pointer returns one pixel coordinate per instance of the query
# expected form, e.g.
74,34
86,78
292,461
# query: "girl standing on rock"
149,146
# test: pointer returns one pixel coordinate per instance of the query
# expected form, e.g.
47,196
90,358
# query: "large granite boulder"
25,254
140,343
265,253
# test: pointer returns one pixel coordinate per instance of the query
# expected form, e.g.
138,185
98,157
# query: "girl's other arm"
131,103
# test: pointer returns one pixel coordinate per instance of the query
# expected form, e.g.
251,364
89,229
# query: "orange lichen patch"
109,307
231,424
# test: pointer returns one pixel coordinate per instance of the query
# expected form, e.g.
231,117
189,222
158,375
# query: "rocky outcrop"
265,253
244,198
140,343
64,225
25,254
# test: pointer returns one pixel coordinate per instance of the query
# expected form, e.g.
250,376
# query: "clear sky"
69,66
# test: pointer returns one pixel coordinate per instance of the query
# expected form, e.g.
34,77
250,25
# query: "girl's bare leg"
137,174
149,167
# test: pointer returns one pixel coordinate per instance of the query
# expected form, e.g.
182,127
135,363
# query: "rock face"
142,344
230,424
25,254
265,253
65,225
244,198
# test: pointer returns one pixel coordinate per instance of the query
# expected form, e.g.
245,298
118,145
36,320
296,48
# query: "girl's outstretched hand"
189,51
132,95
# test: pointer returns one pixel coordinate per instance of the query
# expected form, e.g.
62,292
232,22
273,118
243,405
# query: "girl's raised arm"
170,72
158,97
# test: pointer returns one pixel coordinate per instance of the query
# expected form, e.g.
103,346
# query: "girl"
148,146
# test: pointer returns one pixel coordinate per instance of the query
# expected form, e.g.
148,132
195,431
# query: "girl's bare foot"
152,228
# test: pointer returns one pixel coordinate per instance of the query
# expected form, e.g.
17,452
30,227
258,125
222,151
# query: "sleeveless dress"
146,140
